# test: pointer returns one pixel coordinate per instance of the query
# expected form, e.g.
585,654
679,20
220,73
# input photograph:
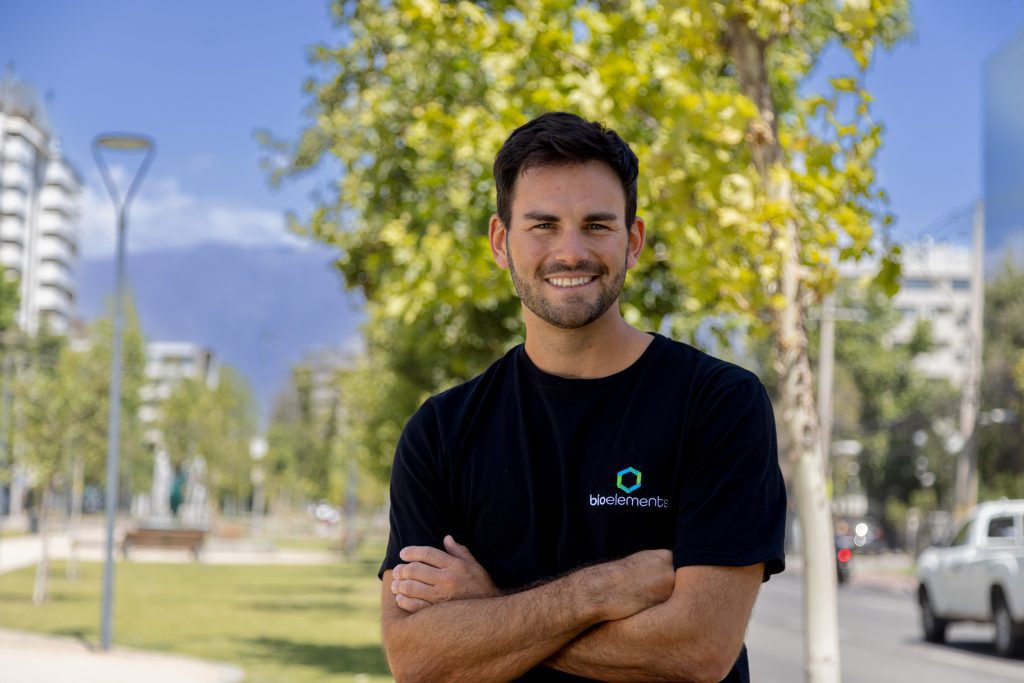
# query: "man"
602,503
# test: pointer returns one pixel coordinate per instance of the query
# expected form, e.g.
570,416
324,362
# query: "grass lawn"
281,624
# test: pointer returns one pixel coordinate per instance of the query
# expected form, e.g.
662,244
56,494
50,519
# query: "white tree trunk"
77,484
799,413
41,589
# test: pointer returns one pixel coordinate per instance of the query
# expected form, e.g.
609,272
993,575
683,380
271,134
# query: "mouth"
571,282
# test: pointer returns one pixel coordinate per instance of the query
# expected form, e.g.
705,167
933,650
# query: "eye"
544,226
593,227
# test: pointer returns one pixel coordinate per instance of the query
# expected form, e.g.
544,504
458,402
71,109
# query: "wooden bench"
156,537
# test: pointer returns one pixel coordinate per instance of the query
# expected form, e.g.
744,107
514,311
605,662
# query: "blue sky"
202,76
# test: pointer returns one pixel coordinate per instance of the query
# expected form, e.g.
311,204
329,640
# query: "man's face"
568,247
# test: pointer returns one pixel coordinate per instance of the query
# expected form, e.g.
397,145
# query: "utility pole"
826,368
966,491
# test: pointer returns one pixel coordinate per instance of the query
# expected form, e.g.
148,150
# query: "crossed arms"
633,619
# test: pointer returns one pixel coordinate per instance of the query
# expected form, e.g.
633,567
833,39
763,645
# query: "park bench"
157,537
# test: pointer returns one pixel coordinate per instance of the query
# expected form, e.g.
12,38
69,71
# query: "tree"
41,414
894,411
216,422
752,185
62,415
10,299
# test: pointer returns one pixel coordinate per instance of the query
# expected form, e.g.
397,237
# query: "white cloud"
163,216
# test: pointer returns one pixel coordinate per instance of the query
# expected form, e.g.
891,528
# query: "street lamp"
123,143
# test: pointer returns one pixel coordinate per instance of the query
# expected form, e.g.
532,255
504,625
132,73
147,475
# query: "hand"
431,576
635,583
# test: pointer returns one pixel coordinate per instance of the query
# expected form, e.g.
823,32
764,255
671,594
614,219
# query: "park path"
36,658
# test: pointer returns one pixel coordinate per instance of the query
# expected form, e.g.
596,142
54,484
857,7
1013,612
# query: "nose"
570,248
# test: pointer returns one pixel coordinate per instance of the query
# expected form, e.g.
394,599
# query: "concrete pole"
966,490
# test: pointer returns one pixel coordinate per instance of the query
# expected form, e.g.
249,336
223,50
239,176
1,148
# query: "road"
880,641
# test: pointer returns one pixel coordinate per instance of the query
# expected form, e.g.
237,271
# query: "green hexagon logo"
625,472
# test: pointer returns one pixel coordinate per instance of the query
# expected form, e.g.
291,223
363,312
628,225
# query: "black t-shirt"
538,475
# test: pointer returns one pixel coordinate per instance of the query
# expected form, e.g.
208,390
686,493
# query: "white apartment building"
167,363
39,207
936,286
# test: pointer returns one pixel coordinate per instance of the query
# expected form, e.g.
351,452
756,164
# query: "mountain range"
259,309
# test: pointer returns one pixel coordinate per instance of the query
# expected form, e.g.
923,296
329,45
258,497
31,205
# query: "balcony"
16,176
17,148
54,226
12,229
53,274
55,248
13,203
54,198
11,256
53,299
59,175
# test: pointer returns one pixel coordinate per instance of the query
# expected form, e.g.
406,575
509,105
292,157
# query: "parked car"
978,576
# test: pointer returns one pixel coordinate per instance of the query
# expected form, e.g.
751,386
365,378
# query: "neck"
604,347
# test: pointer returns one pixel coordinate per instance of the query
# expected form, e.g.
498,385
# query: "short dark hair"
558,139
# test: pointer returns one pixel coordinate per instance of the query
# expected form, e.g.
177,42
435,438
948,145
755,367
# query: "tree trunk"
41,589
77,484
821,621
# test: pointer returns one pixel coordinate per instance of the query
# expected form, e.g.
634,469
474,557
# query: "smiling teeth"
569,281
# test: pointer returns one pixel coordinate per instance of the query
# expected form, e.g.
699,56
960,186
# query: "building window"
961,285
916,283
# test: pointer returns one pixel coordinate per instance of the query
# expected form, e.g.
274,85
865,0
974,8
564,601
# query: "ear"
497,234
637,236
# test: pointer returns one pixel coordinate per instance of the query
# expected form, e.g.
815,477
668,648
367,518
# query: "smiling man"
602,503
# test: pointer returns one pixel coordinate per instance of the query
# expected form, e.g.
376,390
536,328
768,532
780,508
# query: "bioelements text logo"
628,480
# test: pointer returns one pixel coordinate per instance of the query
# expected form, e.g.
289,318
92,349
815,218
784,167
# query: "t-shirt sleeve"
731,499
420,505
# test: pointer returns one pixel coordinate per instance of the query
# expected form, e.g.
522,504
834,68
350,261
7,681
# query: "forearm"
644,647
696,635
486,639
497,638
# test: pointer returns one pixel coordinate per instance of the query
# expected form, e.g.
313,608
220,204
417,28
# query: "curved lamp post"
124,143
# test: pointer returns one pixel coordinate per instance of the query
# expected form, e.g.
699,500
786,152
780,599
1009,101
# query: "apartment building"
39,207
167,363
936,287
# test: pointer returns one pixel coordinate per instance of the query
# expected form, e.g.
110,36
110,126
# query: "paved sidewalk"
18,552
32,658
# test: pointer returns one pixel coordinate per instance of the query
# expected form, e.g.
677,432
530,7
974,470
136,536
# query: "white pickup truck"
978,576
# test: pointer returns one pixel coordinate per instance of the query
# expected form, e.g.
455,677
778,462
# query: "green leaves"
216,422
417,96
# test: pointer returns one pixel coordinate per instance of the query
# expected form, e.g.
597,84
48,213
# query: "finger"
423,573
427,555
458,550
410,604
415,589
396,572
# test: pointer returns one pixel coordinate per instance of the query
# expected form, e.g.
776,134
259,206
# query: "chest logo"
628,480
623,477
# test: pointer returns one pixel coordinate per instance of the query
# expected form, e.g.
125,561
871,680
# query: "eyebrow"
552,218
